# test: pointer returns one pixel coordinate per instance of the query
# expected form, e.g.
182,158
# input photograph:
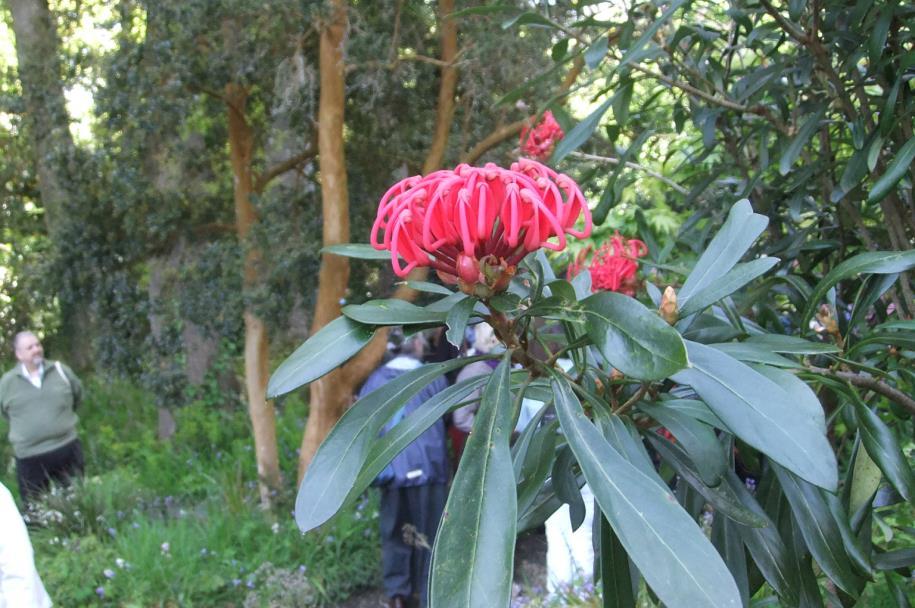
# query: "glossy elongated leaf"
393,312
566,485
457,320
894,172
725,250
428,287
327,349
882,445
852,546
819,529
695,409
766,546
726,538
615,574
866,478
475,544
636,48
361,251
801,394
893,560
632,338
580,133
720,497
623,438
761,413
537,464
734,279
791,345
340,458
697,439
667,546
873,262
522,445
751,353
809,590
407,430
800,140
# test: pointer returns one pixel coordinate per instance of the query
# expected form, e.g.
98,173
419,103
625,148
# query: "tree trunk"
331,395
38,54
263,418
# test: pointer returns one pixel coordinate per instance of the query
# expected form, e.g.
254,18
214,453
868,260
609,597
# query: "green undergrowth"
178,523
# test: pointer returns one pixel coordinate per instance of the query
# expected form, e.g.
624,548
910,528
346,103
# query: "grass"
178,523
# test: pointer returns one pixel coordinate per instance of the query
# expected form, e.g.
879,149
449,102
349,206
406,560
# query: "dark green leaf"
615,575
882,445
734,279
632,338
430,287
697,439
849,540
393,312
894,172
819,529
407,430
596,52
873,262
791,345
730,243
361,251
801,395
621,101
667,546
527,18
766,546
761,413
722,497
635,49
580,133
457,320
726,538
695,409
566,485
475,544
894,560
330,347
538,462
800,140
342,455
751,353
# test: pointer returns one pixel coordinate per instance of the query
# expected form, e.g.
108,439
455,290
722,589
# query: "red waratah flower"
473,225
539,142
613,266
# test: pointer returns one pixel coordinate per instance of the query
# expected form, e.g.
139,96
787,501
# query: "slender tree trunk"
332,394
263,418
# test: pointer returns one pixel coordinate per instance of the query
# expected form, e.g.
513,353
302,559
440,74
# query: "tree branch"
504,132
282,167
615,161
868,382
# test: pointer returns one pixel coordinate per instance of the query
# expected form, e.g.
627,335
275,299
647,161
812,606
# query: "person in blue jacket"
413,487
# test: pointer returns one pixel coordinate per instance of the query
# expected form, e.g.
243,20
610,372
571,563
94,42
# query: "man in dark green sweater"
39,399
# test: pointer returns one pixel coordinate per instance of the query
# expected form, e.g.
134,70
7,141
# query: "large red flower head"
474,224
613,266
539,142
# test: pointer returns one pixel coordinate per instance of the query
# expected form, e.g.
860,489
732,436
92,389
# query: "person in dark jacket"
413,487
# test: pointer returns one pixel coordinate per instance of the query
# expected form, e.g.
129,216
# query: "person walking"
39,399
413,487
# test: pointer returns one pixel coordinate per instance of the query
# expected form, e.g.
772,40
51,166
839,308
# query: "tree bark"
39,70
332,394
329,396
263,418
37,50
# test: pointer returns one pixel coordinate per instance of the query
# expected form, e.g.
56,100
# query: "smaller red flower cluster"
613,266
539,142
473,224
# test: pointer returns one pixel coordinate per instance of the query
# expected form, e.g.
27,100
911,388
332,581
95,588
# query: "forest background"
172,170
